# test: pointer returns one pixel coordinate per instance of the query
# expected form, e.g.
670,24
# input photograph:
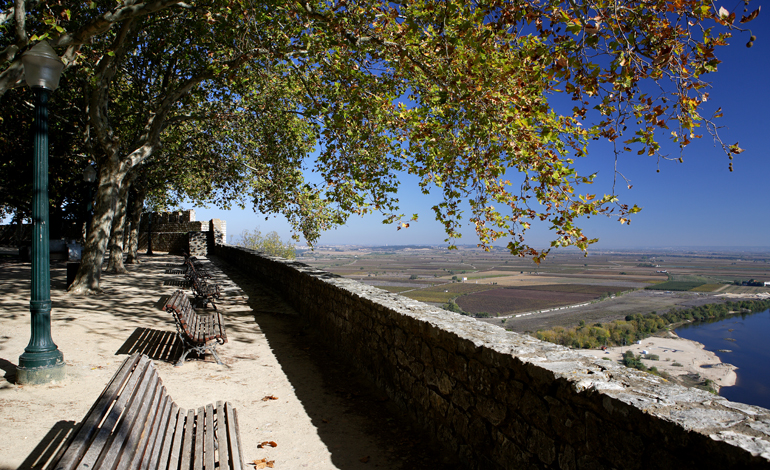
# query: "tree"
457,93
68,192
270,243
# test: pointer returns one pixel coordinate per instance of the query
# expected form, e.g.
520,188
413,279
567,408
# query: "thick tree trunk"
133,234
89,274
115,262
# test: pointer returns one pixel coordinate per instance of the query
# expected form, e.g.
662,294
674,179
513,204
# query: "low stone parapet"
505,400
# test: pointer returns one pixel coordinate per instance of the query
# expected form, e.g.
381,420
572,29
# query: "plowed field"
509,301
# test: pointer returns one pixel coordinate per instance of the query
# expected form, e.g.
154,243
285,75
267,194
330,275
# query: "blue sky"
698,203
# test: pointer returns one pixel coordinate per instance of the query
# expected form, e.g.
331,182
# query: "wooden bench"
134,424
191,263
199,332
200,286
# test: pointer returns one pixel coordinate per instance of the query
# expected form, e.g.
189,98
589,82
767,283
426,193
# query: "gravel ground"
325,416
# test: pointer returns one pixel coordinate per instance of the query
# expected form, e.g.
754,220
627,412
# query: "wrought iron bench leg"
216,356
180,362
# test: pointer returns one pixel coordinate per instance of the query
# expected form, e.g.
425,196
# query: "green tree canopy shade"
454,92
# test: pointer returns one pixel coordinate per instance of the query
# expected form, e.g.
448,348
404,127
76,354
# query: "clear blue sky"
698,203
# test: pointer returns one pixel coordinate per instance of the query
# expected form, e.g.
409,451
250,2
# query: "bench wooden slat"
169,435
176,446
145,430
210,329
208,438
198,462
132,428
152,454
221,433
187,442
233,437
200,322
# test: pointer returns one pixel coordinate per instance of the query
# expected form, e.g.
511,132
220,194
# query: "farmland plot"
509,301
442,294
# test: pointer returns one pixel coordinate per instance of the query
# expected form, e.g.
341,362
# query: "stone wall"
198,243
217,233
172,242
171,231
505,400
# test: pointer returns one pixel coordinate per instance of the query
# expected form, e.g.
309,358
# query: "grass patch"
707,288
676,285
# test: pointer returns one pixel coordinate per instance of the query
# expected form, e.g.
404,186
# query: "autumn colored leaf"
267,444
263,463
269,397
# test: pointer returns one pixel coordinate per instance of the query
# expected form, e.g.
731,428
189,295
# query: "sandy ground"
324,417
691,356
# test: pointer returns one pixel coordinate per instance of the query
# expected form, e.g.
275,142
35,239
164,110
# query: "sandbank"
678,357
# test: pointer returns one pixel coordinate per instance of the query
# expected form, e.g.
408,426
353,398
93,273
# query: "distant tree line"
639,326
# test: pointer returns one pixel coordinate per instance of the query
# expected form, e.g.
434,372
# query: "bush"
653,357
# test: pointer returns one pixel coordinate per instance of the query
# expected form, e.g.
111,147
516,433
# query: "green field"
707,288
676,285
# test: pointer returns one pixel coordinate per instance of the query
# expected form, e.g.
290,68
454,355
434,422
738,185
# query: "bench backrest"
197,327
134,424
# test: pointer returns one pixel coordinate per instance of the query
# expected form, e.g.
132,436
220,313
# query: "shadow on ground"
158,345
48,446
296,347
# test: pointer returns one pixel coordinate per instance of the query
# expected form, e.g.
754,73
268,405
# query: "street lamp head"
89,174
42,67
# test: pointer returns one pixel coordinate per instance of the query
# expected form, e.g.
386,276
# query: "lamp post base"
40,368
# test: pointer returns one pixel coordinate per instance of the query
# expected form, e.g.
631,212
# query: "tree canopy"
459,93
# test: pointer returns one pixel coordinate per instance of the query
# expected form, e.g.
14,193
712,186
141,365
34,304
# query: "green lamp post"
41,362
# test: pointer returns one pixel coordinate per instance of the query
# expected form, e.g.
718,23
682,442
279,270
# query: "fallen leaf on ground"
267,443
263,463
269,397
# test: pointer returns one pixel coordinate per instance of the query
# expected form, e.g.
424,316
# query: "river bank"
686,361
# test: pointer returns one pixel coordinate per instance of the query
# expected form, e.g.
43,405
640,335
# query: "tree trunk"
115,262
133,234
110,178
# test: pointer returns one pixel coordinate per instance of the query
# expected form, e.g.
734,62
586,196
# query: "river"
747,336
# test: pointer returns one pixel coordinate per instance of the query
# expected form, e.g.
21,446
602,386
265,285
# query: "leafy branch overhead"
458,93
